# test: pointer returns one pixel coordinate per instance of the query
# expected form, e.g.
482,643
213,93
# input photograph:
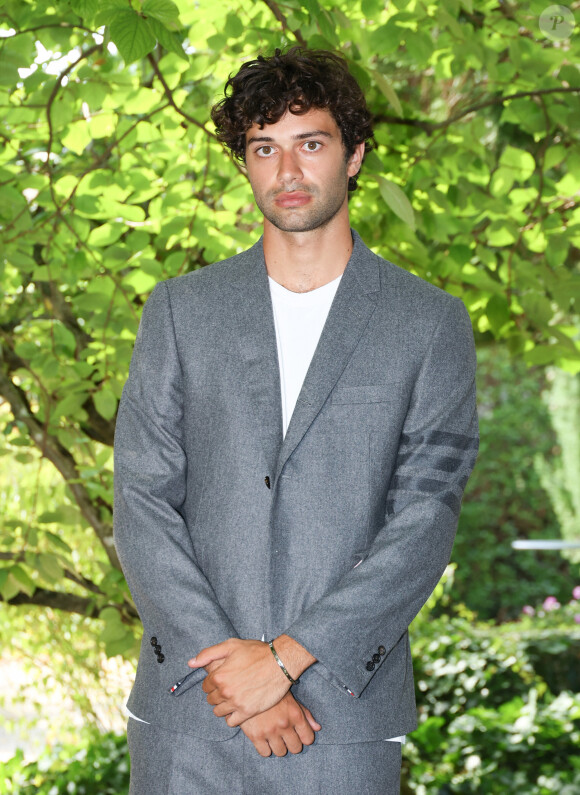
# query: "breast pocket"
368,393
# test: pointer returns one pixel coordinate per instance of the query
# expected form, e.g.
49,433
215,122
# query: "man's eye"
265,150
312,146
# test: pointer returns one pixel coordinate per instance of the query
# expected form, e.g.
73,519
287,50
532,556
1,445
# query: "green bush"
99,766
505,498
490,719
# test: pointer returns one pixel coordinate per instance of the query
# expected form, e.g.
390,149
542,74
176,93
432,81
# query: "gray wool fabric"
172,763
357,524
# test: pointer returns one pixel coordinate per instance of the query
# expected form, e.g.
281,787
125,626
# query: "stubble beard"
308,217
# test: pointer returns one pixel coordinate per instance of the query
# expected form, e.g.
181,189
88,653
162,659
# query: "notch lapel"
256,339
351,310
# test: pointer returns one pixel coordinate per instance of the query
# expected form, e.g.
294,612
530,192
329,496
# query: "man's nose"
288,168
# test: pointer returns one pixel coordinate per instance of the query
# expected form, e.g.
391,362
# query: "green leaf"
106,234
169,40
49,567
537,307
70,404
521,162
500,233
10,587
64,514
234,26
142,282
164,11
107,10
57,542
502,181
105,403
86,9
131,35
77,137
397,201
26,583
388,90
498,313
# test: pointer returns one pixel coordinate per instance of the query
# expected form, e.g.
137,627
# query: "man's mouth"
295,198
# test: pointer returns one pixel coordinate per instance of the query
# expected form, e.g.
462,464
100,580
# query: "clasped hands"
248,689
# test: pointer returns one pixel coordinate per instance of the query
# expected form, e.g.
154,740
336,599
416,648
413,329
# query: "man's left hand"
248,681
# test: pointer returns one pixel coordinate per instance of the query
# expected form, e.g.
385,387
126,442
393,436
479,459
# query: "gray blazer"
336,534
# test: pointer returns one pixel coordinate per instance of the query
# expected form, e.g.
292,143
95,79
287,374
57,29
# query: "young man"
292,446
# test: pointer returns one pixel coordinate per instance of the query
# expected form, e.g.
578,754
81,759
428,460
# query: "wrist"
295,657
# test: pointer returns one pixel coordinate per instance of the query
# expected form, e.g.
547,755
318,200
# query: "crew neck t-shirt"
299,319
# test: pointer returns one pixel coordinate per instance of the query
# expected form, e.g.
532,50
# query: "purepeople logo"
557,22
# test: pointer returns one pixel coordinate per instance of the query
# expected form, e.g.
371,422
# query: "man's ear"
355,160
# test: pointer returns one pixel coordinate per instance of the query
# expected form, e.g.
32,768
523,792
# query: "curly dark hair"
298,80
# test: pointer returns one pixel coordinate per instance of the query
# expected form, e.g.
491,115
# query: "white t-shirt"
299,319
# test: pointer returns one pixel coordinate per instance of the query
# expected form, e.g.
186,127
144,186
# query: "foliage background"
111,179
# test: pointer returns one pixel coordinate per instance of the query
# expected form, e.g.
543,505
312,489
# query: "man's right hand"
287,726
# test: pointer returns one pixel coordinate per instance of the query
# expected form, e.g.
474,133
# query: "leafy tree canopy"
111,179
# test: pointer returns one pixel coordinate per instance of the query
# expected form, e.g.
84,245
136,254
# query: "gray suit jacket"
355,528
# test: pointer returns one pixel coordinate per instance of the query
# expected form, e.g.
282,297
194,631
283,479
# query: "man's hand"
287,726
247,682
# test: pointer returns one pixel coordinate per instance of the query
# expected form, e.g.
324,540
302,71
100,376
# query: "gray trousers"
167,763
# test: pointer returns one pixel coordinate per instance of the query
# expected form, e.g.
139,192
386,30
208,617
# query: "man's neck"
304,261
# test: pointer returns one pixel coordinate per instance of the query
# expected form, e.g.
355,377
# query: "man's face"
298,170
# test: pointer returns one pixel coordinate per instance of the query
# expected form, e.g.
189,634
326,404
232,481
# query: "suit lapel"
349,315
256,338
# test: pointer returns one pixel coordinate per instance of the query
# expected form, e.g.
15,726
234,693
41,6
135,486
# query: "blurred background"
111,179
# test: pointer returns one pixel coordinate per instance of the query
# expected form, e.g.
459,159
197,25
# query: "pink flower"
576,592
577,618
551,603
528,610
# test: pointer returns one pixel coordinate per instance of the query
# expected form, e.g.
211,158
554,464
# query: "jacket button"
157,649
382,651
267,481
160,658
376,658
154,641
370,666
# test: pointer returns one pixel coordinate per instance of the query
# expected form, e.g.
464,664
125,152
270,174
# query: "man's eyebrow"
300,137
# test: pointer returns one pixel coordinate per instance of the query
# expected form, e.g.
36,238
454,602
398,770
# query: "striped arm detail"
433,463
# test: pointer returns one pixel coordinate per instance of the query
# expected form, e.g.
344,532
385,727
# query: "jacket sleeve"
352,628
175,601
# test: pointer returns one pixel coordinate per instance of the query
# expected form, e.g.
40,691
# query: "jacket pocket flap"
372,393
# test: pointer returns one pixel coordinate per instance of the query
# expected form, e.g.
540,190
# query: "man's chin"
297,222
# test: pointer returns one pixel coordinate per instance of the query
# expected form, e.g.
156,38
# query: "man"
292,445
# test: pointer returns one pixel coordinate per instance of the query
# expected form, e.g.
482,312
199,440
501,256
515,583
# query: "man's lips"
293,198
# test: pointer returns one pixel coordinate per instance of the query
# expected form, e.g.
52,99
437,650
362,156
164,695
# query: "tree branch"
43,27
60,457
431,126
274,8
175,106
69,603
55,302
57,600
78,579
54,92
172,102
98,428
